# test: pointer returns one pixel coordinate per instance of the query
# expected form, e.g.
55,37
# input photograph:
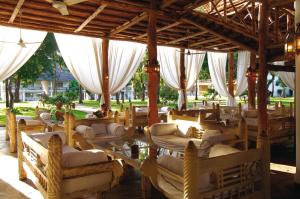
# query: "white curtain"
169,60
45,86
288,79
83,57
217,69
243,64
124,59
12,55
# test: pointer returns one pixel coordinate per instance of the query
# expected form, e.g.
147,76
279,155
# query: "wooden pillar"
262,139
231,73
183,80
152,66
252,82
297,101
105,75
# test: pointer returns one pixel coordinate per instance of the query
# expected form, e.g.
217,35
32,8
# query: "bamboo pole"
231,73
7,124
71,126
183,79
252,82
22,172
262,139
153,64
54,169
190,177
13,132
66,126
105,74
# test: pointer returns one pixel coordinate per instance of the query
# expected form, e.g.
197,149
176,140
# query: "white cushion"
99,128
221,149
86,131
33,122
45,116
87,182
159,129
90,116
141,109
43,138
209,138
80,158
184,127
115,129
165,109
176,166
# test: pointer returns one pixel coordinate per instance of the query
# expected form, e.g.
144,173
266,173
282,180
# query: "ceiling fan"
62,6
188,52
21,42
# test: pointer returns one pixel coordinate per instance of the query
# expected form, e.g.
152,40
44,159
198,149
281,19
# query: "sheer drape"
243,64
83,57
124,59
217,70
288,79
169,60
13,56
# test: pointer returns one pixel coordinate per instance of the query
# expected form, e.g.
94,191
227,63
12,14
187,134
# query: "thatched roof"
197,24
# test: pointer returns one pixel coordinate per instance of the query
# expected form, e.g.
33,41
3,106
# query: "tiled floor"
282,183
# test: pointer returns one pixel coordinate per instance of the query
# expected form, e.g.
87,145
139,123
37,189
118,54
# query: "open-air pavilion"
177,35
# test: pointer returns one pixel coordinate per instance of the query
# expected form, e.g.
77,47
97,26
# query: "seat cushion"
221,149
45,116
99,128
115,129
43,138
160,129
86,131
87,182
81,158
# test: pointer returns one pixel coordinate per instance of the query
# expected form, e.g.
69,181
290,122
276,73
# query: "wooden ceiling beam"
187,37
218,34
216,45
204,41
279,3
160,29
90,18
138,18
16,11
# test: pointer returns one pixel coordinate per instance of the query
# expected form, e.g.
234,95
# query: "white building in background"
278,89
44,84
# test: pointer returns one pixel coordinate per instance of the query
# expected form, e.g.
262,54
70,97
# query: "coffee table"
121,149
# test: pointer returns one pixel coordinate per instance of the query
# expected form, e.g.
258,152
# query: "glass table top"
135,150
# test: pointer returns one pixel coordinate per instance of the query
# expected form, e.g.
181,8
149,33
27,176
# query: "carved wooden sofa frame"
49,173
232,176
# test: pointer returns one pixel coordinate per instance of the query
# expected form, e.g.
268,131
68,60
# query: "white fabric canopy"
169,60
243,64
288,79
12,55
217,70
124,59
83,57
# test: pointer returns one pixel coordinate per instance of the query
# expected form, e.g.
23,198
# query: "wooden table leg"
146,187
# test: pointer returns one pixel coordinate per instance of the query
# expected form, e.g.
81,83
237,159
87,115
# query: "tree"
167,94
139,80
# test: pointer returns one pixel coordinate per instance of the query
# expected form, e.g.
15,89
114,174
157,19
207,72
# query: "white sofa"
61,171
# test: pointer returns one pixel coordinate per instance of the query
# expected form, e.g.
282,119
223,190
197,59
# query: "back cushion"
99,128
165,109
43,138
81,158
163,129
115,129
184,127
86,131
209,138
45,116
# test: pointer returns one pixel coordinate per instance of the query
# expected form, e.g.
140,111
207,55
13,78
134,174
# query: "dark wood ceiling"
197,24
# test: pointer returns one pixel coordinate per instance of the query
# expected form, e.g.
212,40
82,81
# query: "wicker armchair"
60,171
226,173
